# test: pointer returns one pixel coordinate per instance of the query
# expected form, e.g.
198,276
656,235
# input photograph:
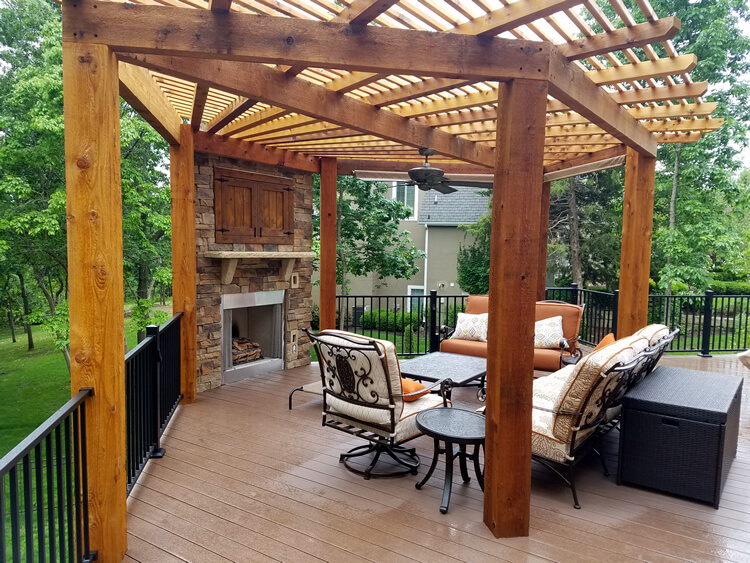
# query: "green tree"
473,259
368,238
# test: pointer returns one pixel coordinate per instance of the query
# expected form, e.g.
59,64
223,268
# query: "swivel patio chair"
362,396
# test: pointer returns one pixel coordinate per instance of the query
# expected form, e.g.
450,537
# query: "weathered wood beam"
255,120
646,95
220,5
594,157
349,166
245,150
94,233
328,194
622,38
229,114
141,91
165,30
635,255
655,112
199,104
571,86
184,269
273,87
362,12
513,15
644,70
513,288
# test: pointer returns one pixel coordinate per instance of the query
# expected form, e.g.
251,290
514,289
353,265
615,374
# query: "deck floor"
245,479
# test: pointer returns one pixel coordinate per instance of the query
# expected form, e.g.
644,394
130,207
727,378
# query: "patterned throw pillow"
548,333
471,327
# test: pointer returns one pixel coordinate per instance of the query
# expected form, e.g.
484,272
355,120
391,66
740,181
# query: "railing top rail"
10,459
142,344
174,318
441,296
595,292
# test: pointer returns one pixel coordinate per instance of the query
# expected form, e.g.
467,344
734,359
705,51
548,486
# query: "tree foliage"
369,239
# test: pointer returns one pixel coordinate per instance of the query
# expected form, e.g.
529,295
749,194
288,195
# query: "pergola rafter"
530,90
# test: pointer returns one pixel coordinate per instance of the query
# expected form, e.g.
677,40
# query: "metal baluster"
69,488
3,553
60,495
84,483
15,515
77,485
39,480
50,471
28,507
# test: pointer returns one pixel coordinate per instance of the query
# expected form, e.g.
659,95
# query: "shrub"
730,288
385,320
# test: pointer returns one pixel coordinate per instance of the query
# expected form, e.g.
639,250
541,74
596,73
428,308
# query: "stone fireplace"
263,299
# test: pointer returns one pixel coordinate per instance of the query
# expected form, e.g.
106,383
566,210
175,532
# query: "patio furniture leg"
407,457
292,393
447,488
435,457
461,454
477,469
604,461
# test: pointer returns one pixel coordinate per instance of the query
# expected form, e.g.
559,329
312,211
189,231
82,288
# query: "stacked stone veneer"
251,275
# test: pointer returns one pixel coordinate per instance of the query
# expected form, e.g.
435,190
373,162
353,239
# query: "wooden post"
182,176
635,256
513,290
328,190
97,344
541,281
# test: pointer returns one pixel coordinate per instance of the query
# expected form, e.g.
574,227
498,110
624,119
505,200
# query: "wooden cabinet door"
253,208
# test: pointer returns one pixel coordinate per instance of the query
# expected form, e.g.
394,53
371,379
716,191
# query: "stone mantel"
229,260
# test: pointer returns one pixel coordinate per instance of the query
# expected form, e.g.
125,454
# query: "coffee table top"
441,365
457,426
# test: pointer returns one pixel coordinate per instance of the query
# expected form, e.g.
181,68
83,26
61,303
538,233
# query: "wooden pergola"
520,89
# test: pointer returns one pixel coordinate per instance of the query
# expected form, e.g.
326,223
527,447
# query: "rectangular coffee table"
461,369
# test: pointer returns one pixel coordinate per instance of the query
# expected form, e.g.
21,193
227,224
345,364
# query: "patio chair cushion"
471,327
584,375
548,333
366,361
653,333
543,442
406,427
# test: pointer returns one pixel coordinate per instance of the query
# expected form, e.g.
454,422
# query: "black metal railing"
708,322
44,490
152,392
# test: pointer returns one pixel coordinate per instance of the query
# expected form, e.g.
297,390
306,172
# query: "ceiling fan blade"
470,184
444,188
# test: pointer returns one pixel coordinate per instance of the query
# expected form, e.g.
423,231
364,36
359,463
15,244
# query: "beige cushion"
367,361
547,389
406,427
543,442
585,374
548,333
654,333
471,327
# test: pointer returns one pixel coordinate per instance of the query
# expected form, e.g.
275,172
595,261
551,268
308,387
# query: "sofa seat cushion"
466,347
406,427
543,442
547,389
547,359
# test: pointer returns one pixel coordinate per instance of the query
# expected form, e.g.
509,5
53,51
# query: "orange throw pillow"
411,386
606,341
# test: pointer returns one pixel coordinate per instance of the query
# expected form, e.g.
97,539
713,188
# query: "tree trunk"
66,355
673,203
26,311
142,291
341,256
576,269
12,323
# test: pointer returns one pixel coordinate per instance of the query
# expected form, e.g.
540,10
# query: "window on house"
406,195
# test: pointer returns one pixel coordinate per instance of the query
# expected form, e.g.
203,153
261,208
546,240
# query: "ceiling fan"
427,177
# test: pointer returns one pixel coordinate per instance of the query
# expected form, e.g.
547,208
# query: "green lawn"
33,384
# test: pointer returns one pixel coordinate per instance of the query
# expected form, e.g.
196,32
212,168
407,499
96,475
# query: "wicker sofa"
576,406
545,359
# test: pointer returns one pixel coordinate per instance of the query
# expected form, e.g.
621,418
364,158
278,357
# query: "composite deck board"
245,479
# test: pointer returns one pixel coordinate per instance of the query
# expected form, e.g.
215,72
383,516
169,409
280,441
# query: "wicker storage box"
679,432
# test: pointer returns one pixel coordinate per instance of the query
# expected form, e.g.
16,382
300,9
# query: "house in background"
434,228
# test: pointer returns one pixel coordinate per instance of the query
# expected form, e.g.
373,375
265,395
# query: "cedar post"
541,281
94,219
513,290
184,293
635,256
328,177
